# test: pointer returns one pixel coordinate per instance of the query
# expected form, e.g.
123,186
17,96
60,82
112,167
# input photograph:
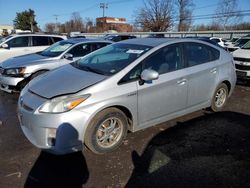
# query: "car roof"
82,40
36,34
147,41
153,42
115,35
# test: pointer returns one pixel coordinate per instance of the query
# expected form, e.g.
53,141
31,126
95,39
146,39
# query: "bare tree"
50,27
77,22
89,24
227,13
185,14
156,15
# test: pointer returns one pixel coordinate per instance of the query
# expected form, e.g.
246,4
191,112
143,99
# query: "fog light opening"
51,141
51,135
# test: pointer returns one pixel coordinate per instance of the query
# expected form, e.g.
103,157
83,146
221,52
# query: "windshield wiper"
41,53
89,69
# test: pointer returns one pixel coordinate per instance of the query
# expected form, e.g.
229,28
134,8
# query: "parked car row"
16,72
125,86
21,44
238,44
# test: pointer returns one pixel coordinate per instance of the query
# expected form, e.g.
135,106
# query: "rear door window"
22,41
56,39
40,41
197,53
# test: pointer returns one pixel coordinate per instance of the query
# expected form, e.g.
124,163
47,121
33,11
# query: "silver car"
126,86
16,72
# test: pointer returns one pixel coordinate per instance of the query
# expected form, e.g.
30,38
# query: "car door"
17,46
166,95
202,61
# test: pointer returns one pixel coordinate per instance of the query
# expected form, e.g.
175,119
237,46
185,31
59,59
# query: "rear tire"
106,131
219,98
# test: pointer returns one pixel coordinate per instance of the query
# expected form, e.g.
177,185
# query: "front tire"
106,131
219,98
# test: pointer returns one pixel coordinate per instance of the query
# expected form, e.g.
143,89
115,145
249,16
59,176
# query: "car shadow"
209,151
58,171
69,170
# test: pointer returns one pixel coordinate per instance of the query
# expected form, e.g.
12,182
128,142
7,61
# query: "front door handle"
182,81
214,70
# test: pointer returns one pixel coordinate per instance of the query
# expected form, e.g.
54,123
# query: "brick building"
109,23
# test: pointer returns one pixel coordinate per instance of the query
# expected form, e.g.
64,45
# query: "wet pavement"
202,149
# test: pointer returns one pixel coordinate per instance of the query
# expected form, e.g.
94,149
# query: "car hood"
242,53
64,80
24,60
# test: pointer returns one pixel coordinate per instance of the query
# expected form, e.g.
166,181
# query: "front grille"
241,59
231,49
26,107
242,67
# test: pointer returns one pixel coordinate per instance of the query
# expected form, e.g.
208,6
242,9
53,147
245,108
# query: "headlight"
62,104
15,71
246,63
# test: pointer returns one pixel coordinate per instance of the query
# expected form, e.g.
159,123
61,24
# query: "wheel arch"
28,79
125,110
37,71
87,140
228,84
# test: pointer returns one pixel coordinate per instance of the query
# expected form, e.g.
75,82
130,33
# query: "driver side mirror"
5,46
148,75
68,56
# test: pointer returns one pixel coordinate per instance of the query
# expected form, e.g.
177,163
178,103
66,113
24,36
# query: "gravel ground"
202,149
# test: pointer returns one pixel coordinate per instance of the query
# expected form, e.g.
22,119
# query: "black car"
117,38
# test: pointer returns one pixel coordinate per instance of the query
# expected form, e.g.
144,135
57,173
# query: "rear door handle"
214,70
182,81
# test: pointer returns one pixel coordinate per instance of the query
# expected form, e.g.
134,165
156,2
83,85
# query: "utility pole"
56,26
31,24
103,6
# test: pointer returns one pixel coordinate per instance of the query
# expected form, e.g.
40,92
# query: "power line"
212,16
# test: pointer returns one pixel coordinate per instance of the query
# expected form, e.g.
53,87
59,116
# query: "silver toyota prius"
16,72
126,86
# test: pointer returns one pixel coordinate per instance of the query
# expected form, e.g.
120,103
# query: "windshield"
111,59
56,49
246,46
4,39
241,42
